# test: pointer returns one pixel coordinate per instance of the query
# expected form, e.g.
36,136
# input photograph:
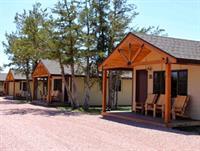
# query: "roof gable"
52,67
132,49
12,75
40,70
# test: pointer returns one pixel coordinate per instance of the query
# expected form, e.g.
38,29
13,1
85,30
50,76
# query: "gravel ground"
25,127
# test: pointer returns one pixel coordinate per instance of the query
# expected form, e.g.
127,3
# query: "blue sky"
180,18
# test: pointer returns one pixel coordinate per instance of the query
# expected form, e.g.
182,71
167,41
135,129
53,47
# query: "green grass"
123,108
92,109
20,101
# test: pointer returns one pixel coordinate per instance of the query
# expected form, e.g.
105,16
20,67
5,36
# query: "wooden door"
141,85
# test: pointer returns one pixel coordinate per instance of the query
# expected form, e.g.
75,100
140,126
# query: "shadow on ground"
12,102
32,111
147,126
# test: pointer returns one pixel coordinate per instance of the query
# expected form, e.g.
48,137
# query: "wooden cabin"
2,83
47,81
15,84
160,65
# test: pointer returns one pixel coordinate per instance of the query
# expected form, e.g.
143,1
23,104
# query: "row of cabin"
47,85
159,65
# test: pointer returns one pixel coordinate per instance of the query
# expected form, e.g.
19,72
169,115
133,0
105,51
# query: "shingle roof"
53,67
18,75
3,76
178,48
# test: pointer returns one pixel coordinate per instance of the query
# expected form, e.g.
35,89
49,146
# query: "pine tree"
25,45
120,16
66,33
88,43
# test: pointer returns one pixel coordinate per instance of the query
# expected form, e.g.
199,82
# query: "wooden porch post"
14,89
49,89
33,89
167,93
8,85
104,91
132,93
6,88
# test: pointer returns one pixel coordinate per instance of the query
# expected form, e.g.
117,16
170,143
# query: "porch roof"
47,67
136,46
14,75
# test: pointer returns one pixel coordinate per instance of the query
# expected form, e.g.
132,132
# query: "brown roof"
178,48
18,75
53,67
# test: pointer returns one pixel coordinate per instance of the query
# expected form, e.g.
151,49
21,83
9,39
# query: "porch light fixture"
149,68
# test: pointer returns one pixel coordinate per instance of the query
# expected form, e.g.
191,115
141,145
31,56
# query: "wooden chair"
179,106
56,95
149,103
139,106
159,106
43,96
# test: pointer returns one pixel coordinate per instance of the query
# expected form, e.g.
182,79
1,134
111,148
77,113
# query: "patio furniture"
55,95
139,107
150,101
179,106
159,106
43,96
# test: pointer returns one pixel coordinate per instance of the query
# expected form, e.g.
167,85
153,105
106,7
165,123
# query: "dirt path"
32,128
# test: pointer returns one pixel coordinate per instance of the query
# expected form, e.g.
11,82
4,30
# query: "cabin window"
57,85
23,86
182,82
159,82
178,82
20,85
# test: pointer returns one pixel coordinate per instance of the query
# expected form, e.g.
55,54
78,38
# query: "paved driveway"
33,128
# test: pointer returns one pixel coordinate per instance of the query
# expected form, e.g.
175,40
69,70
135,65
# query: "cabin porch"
153,72
142,119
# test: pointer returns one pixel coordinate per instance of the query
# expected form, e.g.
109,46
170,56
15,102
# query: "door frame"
136,82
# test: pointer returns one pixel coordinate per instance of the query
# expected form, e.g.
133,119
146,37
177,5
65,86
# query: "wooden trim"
7,93
137,53
34,80
188,61
150,46
10,76
167,93
14,89
49,89
40,64
104,90
129,49
161,61
123,55
156,49
117,67
149,62
116,48
132,92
